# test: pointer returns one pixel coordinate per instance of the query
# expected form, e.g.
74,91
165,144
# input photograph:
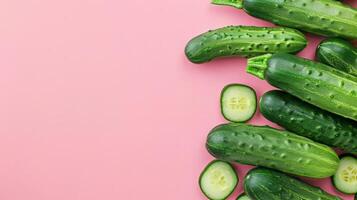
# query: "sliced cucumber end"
238,102
218,180
345,179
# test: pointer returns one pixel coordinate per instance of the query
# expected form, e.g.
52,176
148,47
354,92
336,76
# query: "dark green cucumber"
345,179
338,53
323,17
316,83
309,121
218,180
268,147
264,184
243,41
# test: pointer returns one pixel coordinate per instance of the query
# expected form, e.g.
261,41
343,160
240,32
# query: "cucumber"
338,53
345,179
268,147
264,184
322,17
238,102
245,41
243,197
218,180
309,121
318,84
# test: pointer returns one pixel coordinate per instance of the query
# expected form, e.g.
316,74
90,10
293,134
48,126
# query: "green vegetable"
264,184
218,180
315,83
238,102
243,41
345,179
309,121
243,197
338,53
268,147
323,17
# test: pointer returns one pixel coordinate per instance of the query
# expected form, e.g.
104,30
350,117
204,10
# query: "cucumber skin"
245,41
241,195
204,170
240,85
338,53
322,17
268,147
309,121
263,184
332,177
315,83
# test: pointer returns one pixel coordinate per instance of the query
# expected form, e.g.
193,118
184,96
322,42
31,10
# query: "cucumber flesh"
238,102
218,180
243,197
345,179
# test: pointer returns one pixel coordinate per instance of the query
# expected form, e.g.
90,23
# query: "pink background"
98,100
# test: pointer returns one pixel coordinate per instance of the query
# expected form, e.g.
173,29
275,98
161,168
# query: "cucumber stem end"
257,65
234,3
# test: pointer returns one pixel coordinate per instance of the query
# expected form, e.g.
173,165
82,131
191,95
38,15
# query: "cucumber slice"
238,102
345,179
243,197
218,180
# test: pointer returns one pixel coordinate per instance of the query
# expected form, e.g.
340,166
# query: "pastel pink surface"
98,100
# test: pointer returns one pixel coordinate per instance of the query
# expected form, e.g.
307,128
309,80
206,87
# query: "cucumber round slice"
243,197
345,179
238,102
218,180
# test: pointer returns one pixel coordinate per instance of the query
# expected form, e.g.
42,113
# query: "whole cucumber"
338,53
309,121
243,41
263,184
322,17
316,83
268,147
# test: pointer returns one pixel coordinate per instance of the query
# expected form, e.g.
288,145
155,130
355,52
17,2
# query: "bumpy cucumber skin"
245,41
318,84
332,177
208,165
240,85
322,17
268,147
338,53
309,121
263,184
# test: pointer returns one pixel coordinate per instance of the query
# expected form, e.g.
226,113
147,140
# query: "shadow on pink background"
98,100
